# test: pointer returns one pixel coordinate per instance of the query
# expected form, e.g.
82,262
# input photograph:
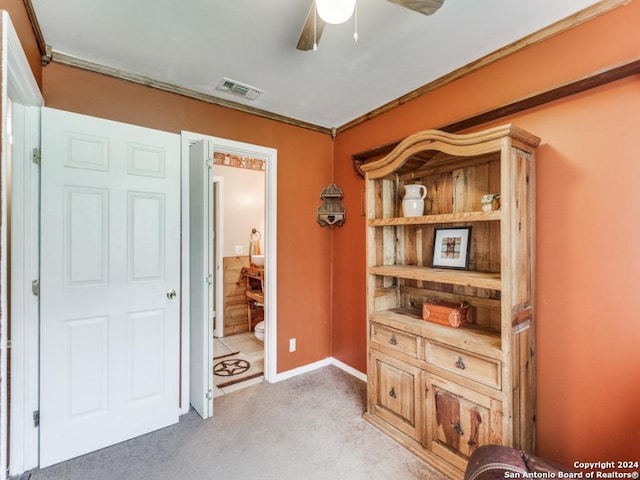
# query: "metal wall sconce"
331,212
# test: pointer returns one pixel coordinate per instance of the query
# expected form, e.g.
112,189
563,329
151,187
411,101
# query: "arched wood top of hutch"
425,146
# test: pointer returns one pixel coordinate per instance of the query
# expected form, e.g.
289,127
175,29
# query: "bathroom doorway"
238,346
222,155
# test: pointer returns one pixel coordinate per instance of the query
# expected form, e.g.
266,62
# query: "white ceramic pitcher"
413,201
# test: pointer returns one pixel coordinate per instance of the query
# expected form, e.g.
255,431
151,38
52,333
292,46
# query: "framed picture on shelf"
451,247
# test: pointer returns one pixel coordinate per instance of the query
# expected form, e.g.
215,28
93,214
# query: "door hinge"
209,279
36,418
209,163
36,156
35,287
209,394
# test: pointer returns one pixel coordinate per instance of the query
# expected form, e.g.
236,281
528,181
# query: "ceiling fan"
314,24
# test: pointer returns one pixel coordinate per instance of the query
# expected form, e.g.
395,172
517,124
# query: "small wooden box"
450,314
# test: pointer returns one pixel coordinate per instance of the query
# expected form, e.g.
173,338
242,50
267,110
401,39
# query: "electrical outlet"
292,345
239,250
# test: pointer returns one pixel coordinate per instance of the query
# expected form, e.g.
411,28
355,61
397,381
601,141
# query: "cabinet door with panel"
397,394
459,420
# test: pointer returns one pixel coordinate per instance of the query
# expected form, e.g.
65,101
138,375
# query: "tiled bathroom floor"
245,343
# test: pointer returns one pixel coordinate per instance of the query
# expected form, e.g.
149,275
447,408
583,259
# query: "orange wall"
21,23
588,230
304,169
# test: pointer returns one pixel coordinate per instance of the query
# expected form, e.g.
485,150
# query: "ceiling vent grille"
240,89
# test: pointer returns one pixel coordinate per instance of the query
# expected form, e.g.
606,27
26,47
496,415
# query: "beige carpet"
309,427
237,367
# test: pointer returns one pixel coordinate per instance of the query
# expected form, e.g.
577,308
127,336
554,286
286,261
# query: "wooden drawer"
479,369
395,339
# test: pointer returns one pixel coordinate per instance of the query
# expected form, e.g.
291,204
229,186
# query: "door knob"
171,294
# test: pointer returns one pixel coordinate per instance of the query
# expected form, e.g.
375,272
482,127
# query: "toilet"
259,331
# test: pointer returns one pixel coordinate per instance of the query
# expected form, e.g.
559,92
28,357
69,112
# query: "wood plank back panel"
235,302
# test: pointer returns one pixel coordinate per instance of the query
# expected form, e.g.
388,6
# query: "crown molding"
64,59
578,18
595,79
556,28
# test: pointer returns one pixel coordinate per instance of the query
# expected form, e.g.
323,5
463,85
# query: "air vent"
237,88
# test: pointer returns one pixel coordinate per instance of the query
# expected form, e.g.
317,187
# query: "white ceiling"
194,43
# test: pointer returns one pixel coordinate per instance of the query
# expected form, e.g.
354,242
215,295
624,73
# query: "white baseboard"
343,366
319,364
303,369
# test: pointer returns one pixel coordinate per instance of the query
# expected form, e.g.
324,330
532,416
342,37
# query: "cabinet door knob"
458,429
460,364
392,393
393,340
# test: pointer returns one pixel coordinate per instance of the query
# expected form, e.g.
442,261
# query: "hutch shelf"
442,391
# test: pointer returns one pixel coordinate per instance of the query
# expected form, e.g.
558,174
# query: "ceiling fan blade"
426,7
307,36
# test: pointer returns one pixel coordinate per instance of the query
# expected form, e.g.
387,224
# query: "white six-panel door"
110,327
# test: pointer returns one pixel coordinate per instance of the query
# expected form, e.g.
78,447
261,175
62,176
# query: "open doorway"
230,162
238,214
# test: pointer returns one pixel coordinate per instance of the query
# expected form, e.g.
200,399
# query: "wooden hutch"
442,391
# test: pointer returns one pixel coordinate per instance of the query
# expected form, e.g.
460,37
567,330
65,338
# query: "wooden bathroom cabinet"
442,391
254,292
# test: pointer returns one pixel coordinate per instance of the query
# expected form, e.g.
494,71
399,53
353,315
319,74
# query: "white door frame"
218,241
20,86
270,155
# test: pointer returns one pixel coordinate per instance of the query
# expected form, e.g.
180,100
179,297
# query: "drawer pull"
393,340
460,364
392,393
458,429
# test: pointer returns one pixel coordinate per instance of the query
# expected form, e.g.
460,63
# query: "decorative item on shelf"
490,202
413,201
331,212
450,314
451,247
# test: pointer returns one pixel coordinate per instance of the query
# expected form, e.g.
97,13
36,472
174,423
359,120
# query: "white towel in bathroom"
255,247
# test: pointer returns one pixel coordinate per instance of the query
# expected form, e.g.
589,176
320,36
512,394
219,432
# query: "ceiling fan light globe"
335,11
